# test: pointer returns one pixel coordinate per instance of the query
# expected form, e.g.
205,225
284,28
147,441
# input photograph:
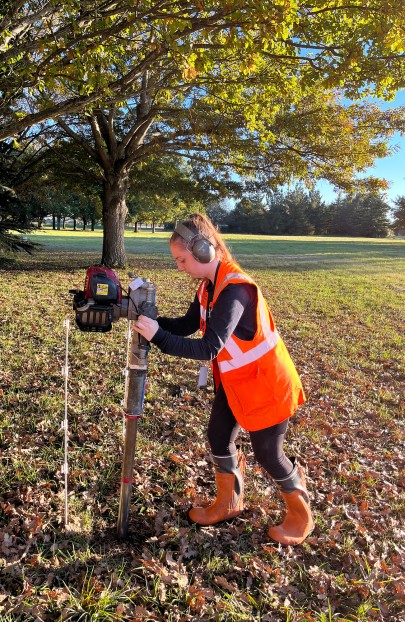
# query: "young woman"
256,384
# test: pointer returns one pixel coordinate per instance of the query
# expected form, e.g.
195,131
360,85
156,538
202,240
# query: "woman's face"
187,263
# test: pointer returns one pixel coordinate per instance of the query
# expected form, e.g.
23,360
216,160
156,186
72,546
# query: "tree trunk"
114,214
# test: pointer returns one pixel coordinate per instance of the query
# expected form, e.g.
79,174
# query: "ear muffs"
199,246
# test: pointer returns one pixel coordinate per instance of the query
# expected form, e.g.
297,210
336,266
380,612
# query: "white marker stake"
65,374
203,376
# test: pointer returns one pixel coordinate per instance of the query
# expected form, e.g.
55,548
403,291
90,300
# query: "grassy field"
340,306
145,243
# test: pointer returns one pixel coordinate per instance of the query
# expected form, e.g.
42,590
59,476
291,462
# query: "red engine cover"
103,285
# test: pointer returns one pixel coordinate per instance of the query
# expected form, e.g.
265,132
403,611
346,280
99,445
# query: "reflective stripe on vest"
202,296
229,277
238,357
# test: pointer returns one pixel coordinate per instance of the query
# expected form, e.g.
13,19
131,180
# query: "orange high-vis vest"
259,378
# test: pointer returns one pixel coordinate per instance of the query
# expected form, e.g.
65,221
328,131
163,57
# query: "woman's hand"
146,327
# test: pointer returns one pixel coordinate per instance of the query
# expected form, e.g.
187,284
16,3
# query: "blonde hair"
202,225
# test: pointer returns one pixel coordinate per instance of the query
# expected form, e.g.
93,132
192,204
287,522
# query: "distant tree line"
292,212
58,182
301,212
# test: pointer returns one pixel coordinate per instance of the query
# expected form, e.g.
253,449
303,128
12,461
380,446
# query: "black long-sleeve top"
234,312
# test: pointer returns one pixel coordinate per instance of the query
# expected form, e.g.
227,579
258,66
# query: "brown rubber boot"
298,521
230,472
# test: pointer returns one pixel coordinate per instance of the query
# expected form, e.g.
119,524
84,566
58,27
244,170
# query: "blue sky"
392,168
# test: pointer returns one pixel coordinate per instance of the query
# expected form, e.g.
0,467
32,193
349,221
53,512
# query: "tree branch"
111,132
78,139
74,104
98,139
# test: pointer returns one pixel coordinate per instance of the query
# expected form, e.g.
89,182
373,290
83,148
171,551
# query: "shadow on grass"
67,261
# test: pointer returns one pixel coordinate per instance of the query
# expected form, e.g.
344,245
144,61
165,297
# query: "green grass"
304,249
340,306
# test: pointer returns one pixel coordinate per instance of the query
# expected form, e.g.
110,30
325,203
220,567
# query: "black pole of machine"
135,382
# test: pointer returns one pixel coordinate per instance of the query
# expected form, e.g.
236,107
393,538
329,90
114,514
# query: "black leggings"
267,444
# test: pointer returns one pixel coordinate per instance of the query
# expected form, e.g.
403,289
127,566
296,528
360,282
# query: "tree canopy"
399,215
251,87
18,167
58,57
